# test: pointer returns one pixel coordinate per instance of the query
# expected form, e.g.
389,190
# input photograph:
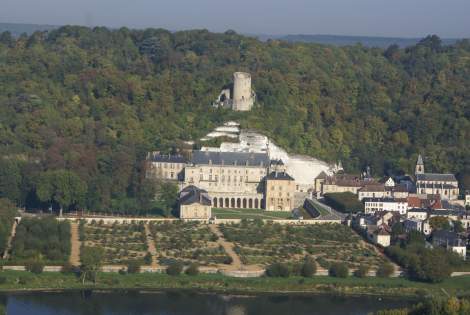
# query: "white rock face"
303,168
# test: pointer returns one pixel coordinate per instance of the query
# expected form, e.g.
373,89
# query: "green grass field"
250,214
20,280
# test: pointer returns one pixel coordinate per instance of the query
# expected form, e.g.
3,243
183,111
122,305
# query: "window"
201,177
210,177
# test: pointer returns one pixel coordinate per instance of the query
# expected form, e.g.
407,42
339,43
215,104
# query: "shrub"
35,266
278,270
3,279
133,267
174,269
339,270
192,270
309,268
362,271
228,260
385,270
24,280
148,258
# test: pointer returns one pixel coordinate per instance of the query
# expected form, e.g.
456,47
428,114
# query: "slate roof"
397,188
322,175
372,188
420,160
168,158
193,194
451,238
436,177
384,200
279,176
230,158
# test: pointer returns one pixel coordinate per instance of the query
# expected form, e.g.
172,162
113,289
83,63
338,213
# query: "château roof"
167,158
193,194
230,158
279,176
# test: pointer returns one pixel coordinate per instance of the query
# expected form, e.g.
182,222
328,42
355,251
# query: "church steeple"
419,165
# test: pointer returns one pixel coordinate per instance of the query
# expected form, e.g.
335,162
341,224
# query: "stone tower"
419,165
243,97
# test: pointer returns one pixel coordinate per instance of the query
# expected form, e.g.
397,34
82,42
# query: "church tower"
419,165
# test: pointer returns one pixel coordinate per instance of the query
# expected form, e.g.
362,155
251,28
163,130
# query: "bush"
23,280
133,267
3,279
148,258
35,266
339,270
362,271
309,268
174,269
192,270
385,270
278,270
228,260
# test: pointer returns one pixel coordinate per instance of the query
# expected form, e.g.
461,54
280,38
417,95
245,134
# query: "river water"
184,303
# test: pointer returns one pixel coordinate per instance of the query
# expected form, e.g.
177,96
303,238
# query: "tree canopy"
93,101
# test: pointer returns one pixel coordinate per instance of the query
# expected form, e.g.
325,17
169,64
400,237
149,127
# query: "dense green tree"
63,187
94,101
339,270
439,223
309,267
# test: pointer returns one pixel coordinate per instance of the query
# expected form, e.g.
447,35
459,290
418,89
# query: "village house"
422,226
340,183
372,205
417,213
451,241
431,202
380,235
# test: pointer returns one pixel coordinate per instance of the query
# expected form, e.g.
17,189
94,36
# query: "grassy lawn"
17,280
250,214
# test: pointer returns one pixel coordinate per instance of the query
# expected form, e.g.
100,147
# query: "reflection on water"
184,303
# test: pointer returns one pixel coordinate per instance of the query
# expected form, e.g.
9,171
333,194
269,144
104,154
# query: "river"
184,303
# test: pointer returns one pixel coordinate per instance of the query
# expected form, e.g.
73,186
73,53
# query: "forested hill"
83,106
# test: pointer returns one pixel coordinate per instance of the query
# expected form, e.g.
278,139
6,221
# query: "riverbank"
11,281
